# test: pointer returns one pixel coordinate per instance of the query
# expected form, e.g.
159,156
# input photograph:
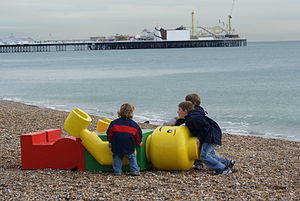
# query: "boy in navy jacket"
209,134
123,135
177,121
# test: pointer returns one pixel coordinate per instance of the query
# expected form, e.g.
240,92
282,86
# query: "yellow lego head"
172,148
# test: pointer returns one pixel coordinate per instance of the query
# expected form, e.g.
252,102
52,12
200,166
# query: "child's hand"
141,144
109,145
198,143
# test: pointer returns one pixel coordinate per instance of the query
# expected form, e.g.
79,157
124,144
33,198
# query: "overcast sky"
258,20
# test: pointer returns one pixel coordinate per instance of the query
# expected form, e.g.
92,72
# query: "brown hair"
126,111
194,98
186,106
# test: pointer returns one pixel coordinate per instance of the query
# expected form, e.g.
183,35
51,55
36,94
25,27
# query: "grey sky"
258,20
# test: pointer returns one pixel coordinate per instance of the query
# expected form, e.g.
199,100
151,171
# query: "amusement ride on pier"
222,35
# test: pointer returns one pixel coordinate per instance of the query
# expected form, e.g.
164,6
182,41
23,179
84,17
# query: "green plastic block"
92,165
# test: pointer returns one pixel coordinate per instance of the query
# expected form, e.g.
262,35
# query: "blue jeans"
118,161
211,159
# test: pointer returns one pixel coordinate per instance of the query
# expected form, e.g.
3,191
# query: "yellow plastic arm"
76,124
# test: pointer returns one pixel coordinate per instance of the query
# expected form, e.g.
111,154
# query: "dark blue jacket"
182,121
124,134
203,127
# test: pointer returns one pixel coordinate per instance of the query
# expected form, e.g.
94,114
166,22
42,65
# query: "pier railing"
119,45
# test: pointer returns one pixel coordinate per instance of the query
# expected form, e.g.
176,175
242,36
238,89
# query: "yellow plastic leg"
102,125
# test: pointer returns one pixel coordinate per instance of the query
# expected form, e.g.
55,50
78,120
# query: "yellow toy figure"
167,148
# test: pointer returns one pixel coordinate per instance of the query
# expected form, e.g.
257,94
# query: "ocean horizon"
253,90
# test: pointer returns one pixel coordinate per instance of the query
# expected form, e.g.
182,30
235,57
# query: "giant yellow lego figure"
167,148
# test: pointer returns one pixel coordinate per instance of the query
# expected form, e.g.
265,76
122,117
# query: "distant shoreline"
63,112
143,125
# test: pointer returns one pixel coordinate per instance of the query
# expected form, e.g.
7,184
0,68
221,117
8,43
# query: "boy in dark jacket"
195,99
209,134
123,134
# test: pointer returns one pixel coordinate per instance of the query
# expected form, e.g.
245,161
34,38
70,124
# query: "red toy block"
53,135
47,149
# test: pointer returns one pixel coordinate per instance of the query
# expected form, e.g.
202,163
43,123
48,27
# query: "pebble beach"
266,169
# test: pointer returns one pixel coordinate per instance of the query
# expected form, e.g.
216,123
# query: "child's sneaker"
134,173
227,171
224,172
231,164
198,165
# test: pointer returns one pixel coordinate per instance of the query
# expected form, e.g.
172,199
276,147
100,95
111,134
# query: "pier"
118,45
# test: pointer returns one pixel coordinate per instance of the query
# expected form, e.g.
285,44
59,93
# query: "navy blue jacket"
124,134
203,127
182,121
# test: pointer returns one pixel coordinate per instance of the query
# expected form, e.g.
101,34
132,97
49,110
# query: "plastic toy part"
46,149
92,165
102,125
172,148
76,125
166,148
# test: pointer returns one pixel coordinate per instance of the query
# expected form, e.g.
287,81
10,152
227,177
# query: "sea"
253,90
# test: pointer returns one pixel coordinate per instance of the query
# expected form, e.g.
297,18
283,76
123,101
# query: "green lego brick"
92,165
141,152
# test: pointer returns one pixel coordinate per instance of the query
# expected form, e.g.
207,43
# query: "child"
177,121
123,134
209,134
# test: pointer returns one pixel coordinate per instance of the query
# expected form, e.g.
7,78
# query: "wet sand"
266,169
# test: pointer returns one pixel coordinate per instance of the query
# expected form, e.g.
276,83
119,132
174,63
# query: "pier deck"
119,45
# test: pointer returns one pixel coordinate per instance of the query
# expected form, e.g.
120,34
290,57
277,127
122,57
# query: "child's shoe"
135,173
231,164
224,172
198,165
